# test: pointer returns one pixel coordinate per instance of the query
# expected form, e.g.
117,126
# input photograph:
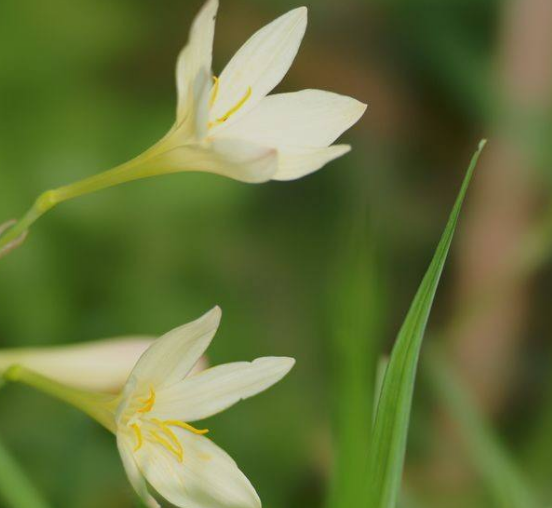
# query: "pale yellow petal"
309,118
218,388
202,92
172,356
237,159
133,473
206,478
102,366
296,163
196,55
259,66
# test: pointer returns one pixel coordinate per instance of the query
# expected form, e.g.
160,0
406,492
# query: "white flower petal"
234,158
206,478
295,163
133,473
197,54
202,92
102,366
218,388
309,118
172,356
260,64
245,161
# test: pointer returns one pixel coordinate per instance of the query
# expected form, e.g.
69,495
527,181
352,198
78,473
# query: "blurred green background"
87,84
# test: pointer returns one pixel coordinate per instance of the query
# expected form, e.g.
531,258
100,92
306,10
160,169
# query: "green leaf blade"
393,414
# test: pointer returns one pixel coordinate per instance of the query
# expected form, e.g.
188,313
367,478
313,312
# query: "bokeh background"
87,84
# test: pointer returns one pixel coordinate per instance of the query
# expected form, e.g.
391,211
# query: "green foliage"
393,413
15,488
356,303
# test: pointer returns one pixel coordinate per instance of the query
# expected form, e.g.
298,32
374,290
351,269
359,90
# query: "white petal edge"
133,473
197,54
207,477
309,118
172,356
218,388
261,63
296,163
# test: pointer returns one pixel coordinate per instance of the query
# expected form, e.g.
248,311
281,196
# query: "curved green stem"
153,162
133,170
45,202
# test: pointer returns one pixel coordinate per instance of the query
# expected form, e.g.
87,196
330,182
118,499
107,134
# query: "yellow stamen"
148,403
176,450
139,437
166,429
214,92
187,426
233,109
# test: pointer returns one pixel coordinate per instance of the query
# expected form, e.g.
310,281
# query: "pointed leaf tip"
390,431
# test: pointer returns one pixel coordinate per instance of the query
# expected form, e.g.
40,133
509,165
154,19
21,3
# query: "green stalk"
144,165
99,406
133,170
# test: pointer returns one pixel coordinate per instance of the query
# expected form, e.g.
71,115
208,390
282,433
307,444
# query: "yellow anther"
176,450
187,426
148,403
233,109
214,91
139,437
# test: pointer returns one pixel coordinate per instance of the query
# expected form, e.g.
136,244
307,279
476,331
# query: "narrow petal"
197,54
202,91
218,388
296,163
310,118
102,366
259,65
237,159
206,478
133,473
171,357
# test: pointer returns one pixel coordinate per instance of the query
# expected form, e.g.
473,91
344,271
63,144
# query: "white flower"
154,435
152,416
230,125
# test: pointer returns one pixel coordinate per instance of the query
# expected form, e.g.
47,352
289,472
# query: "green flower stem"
99,406
135,169
15,488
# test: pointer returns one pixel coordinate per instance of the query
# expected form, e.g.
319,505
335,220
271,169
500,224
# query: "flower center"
158,431
234,109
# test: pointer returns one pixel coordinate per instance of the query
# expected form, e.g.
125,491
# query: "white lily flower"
152,417
231,126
